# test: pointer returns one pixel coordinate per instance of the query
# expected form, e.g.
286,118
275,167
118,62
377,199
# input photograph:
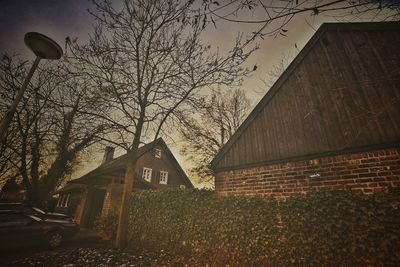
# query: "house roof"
70,188
118,166
266,100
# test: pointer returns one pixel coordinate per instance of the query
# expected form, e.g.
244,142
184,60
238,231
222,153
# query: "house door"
96,205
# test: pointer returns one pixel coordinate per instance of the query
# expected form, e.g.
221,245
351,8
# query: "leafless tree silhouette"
217,119
273,16
145,62
51,128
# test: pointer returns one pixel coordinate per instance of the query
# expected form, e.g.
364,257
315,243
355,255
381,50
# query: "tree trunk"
124,211
129,177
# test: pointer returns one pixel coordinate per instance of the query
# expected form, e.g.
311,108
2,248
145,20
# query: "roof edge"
142,150
178,166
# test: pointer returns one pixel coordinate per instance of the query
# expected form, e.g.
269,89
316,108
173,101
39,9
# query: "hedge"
325,228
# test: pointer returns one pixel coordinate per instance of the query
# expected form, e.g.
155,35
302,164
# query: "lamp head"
42,46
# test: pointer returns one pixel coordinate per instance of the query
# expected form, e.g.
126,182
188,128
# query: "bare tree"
50,130
217,119
10,75
276,70
145,61
273,16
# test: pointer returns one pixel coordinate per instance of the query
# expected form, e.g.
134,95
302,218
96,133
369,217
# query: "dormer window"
157,153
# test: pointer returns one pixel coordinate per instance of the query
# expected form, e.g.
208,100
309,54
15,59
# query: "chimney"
108,154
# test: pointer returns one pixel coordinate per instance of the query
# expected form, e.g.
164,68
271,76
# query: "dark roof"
119,164
265,101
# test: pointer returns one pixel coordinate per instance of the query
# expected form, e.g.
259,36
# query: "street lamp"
43,47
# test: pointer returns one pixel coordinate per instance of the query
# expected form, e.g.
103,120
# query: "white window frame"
146,175
63,200
67,200
59,200
163,177
157,153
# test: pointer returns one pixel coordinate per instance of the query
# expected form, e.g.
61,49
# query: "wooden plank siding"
341,93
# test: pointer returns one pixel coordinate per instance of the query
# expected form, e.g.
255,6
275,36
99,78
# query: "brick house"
331,120
100,191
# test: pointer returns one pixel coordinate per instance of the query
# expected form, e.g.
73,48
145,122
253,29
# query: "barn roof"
236,143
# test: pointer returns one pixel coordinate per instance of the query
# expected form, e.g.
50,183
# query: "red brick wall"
112,198
367,172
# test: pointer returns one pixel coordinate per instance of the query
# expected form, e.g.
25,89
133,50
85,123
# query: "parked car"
18,229
32,210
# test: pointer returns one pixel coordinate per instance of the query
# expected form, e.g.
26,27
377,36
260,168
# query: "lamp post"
43,47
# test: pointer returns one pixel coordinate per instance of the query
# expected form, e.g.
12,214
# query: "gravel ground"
74,257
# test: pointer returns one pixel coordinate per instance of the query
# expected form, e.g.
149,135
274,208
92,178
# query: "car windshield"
38,210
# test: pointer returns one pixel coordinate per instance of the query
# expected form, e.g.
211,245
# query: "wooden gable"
340,94
165,163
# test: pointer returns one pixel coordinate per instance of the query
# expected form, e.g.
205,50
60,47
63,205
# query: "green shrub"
326,228
338,228
197,224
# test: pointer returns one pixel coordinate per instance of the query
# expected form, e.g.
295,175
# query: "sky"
61,18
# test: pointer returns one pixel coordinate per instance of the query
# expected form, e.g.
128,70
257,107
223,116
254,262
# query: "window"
63,201
147,174
163,177
157,153
67,200
59,200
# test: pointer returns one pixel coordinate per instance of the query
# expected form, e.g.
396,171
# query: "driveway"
85,238
87,249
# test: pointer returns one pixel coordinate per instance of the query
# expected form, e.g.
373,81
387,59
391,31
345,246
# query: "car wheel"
54,239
